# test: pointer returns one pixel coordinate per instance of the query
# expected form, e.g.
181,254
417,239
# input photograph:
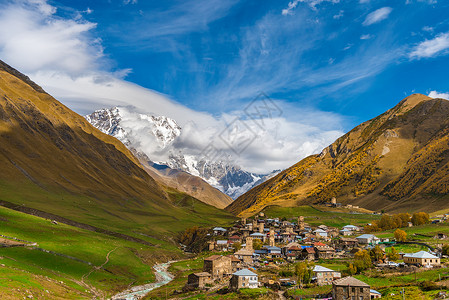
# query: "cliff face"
396,161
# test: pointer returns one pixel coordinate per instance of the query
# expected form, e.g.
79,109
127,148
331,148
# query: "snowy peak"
154,136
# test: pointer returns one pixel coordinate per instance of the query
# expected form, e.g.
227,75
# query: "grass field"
315,216
30,269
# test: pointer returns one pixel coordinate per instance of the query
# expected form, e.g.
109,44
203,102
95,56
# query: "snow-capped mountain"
155,136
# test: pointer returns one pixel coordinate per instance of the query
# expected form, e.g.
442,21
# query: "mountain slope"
396,161
53,160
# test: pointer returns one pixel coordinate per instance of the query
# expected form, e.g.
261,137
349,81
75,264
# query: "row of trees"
364,259
401,220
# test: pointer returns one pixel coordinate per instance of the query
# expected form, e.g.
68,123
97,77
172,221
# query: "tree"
400,235
393,255
445,250
372,228
304,272
362,260
420,218
405,217
377,254
237,246
352,269
257,244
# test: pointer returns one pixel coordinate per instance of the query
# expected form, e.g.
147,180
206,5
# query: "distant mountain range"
152,135
398,161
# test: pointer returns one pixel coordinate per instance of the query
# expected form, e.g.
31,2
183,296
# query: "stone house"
325,276
218,266
350,288
324,252
244,256
219,231
244,279
351,242
308,253
198,280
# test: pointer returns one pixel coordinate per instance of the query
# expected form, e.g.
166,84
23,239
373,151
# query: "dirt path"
93,290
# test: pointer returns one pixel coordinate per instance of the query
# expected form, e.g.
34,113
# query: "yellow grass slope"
396,161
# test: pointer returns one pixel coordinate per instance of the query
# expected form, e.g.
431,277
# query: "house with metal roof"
368,239
244,279
422,258
324,276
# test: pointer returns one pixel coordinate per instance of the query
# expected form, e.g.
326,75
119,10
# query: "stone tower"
301,223
261,227
249,243
255,225
243,221
272,244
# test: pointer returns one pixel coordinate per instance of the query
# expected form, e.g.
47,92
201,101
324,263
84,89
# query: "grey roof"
350,226
366,236
257,234
244,272
420,254
350,281
374,292
322,269
222,242
219,229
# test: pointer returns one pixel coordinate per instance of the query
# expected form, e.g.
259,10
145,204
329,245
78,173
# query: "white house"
325,276
422,258
244,279
320,232
368,239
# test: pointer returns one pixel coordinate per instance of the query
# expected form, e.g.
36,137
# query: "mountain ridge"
365,166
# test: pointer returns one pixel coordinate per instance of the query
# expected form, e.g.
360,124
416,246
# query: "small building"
422,258
325,276
219,231
346,232
368,239
258,235
324,252
351,228
198,280
273,250
350,242
217,265
320,233
244,256
221,245
244,279
375,294
350,288
235,263
235,239
308,253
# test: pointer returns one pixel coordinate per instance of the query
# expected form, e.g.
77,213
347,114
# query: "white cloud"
431,48
435,94
64,57
365,36
312,4
339,15
377,16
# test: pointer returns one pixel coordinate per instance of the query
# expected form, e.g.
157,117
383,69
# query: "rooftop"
420,254
321,269
244,272
350,281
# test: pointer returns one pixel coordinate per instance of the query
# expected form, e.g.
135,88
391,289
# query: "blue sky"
329,64
216,55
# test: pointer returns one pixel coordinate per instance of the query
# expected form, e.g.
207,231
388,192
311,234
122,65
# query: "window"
353,290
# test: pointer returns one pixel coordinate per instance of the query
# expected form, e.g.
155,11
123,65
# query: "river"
162,277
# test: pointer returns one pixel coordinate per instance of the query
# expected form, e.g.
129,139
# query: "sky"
314,68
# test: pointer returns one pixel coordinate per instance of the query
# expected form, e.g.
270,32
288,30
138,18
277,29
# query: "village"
254,252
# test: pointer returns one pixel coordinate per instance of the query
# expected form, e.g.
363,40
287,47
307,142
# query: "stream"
162,277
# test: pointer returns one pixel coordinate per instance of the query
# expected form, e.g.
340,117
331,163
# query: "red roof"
310,250
234,237
294,248
318,244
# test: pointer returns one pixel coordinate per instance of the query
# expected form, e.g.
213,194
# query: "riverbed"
162,278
